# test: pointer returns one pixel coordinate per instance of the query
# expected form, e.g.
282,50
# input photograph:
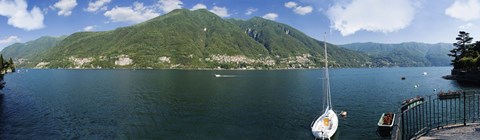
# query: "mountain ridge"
31,49
197,39
405,54
191,39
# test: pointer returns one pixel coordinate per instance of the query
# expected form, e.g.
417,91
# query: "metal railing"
437,111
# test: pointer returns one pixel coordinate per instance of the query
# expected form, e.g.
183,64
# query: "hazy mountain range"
200,39
405,54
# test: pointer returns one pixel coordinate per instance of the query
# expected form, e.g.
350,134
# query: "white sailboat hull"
326,125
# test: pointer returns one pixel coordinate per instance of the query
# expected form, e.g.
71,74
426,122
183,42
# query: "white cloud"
104,8
199,6
10,40
291,4
466,10
220,11
303,10
251,11
19,17
89,28
45,10
466,26
371,15
97,5
270,16
65,6
136,14
169,5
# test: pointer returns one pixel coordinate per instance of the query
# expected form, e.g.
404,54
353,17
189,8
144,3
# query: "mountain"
195,39
283,41
405,54
179,39
23,53
201,39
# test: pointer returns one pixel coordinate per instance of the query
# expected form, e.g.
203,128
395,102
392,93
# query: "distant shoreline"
206,69
212,69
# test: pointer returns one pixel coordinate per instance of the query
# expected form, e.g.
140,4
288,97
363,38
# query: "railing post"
415,119
464,109
429,112
403,124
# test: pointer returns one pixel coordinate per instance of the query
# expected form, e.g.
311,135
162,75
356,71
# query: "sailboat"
325,126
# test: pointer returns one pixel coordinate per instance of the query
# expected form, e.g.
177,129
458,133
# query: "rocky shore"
464,76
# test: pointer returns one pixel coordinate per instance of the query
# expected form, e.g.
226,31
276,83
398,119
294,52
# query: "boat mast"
328,99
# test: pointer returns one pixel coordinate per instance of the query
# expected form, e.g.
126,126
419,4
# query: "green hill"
405,54
179,39
26,54
284,41
195,39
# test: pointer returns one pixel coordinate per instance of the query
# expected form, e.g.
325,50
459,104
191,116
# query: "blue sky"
345,21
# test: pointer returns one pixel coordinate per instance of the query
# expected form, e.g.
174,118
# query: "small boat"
449,95
403,78
412,102
386,120
385,124
343,113
424,73
325,126
225,76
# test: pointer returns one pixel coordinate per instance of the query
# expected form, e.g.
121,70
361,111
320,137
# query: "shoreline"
201,69
214,69
463,76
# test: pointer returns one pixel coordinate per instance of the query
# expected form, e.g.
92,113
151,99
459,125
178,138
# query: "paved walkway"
455,132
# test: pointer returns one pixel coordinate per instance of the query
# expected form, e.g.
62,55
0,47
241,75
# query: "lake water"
190,104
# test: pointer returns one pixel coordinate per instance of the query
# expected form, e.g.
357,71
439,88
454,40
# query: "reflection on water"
466,85
178,104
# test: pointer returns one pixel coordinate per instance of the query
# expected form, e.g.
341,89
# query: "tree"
463,42
476,46
1,62
462,45
10,64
